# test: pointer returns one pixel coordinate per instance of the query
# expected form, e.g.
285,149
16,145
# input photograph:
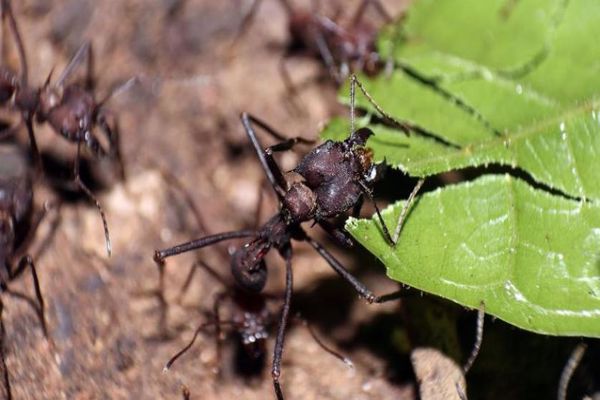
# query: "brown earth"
183,117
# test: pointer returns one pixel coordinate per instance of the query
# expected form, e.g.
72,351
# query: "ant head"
301,202
359,137
248,267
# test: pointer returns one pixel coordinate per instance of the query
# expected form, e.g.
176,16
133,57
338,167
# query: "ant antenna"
569,370
91,196
187,347
352,103
405,127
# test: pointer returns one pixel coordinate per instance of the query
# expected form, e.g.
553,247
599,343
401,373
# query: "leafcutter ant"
336,178
343,48
69,108
18,224
249,316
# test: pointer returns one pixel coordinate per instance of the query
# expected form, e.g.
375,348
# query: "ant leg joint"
158,258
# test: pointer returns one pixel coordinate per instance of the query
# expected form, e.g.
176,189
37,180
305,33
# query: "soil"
182,116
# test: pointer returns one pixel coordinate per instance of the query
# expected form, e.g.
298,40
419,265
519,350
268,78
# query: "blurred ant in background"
70,109
18,225
248,316
343,48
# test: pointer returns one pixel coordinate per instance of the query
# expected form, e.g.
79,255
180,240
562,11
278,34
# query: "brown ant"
18,225
343,49
69,108
336,177
249,317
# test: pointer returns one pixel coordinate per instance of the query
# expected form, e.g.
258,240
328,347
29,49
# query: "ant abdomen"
248,267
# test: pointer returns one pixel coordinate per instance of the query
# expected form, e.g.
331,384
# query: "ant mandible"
69,108
337,176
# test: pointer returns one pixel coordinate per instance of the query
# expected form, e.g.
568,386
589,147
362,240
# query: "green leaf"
497,81
531,257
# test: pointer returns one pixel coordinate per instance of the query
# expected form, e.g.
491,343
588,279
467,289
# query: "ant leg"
367,193
6,378
278,353
360,288
160,255
406,210
25,262
120,88
339,268
172,180
81,52
200,328
294,99
336,233
12,23
478,339
323,346
277,135
569,370
37,156
186,283
90,82
244,25
327,58
270,166
212,272
114,141
91,196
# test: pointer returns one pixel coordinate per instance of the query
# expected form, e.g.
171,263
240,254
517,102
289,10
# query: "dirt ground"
183,117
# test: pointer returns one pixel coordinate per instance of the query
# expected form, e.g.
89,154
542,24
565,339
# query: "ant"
343,49
250,318
18,225
70,109
336,178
